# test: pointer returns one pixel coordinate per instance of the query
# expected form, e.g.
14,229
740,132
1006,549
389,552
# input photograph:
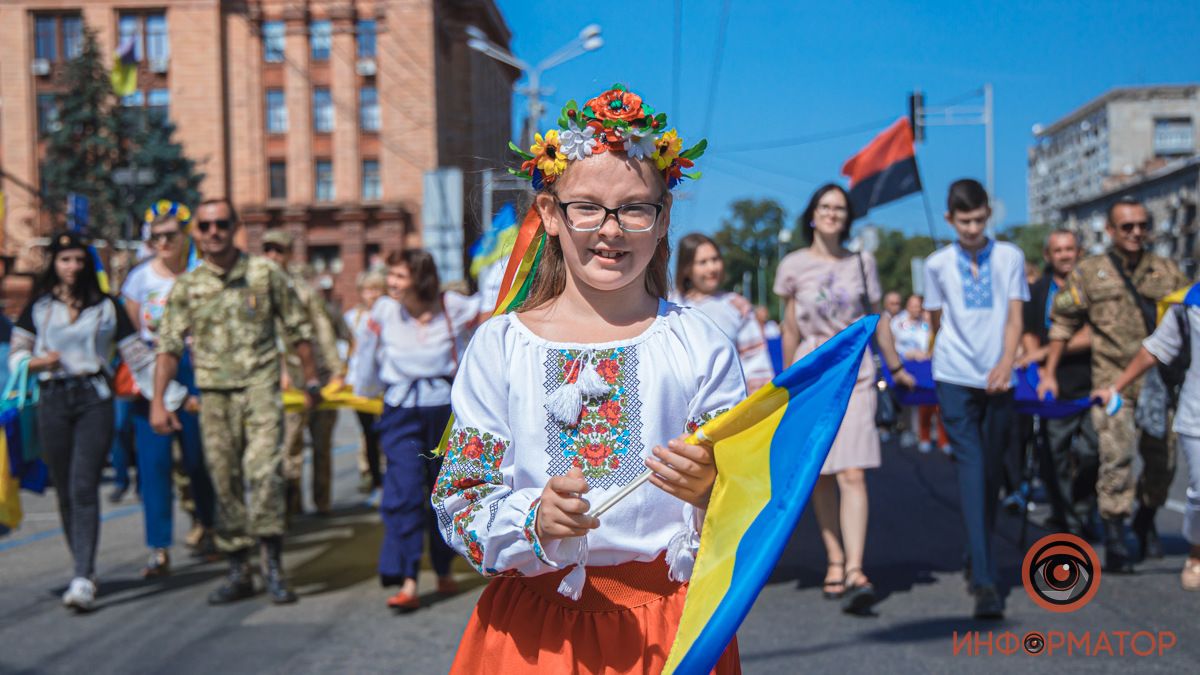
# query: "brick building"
319,116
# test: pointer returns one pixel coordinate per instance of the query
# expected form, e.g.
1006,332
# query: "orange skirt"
624,622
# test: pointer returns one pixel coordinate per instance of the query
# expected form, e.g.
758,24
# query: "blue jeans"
979,426
406,436
154,462
122,444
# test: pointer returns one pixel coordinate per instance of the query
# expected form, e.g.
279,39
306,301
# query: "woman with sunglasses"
67,333
145,293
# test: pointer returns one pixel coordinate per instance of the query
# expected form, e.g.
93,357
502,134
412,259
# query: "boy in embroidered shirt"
975,288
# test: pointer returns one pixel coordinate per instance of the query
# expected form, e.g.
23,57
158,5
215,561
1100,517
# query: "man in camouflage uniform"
231,306
1097,294
277,246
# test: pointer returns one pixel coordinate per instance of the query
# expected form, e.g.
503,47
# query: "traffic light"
916,115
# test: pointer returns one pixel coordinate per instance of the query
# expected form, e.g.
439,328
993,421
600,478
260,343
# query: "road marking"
123,512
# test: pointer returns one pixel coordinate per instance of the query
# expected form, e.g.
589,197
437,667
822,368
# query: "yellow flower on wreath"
548,154
666,149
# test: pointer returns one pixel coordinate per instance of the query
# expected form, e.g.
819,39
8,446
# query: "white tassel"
572,585
590,382
566,403
681,558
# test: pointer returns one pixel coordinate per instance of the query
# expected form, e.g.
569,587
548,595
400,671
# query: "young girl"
67,333
416,336
145,293
562,404
699,271
1179,329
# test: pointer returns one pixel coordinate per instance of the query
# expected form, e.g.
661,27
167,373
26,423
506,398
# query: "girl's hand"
562,512
48,362
1105,395
685,471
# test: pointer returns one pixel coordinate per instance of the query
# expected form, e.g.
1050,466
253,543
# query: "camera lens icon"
1061,573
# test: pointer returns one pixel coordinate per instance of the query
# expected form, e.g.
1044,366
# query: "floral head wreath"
617,119
164,207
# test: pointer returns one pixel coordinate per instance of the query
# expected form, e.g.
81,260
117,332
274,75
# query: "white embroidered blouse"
506,443
743,329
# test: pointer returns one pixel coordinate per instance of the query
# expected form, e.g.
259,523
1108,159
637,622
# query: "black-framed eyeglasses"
163,237
272,248
223,224
1129,227
590,216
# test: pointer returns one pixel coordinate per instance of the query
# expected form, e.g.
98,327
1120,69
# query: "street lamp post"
588,40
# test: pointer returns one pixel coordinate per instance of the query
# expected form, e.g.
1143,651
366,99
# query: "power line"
676,56
715,73
810,138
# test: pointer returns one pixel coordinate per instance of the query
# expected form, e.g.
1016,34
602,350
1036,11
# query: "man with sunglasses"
1115,293
235,308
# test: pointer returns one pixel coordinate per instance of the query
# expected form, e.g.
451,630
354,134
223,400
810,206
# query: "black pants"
1070,466
75,426
371,443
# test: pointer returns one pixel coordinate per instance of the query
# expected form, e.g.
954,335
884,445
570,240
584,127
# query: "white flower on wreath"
640,142
577,142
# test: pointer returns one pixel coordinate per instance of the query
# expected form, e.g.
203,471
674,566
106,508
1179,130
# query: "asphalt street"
340,625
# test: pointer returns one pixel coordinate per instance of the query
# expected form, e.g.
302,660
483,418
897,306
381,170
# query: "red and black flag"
885,170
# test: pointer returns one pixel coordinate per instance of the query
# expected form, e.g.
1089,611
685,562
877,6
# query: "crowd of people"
542,411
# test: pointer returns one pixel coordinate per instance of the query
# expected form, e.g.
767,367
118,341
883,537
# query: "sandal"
159,564
859,597
832,590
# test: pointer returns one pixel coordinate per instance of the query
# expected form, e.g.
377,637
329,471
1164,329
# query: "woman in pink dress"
827,288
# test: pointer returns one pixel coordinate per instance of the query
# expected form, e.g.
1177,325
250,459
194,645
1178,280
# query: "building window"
159,103
47,113
320,38
277,119
368,109
366,39
324,180
325,259
158,46
72,27
372,189
1173,136
45,38
273,41
322,110
132,107
129,29
277,173
135,100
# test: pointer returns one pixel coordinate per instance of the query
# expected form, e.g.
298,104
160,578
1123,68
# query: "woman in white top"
67,333
1178,329
412,347
371,287
568,400
699,273
911,330
145,294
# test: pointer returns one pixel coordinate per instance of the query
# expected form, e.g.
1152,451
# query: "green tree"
893,259
1029,238
175,176
87,144
749,242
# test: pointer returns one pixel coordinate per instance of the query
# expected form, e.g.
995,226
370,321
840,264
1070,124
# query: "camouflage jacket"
1096,294
234,319
325,351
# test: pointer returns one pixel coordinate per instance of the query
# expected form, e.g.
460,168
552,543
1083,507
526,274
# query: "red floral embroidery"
473,448
571,370
611,411
596,454
608,369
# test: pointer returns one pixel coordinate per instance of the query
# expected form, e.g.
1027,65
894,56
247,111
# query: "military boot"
272,566
239,583
1116,553
1147,533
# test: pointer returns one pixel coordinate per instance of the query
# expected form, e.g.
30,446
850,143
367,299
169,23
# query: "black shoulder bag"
887,408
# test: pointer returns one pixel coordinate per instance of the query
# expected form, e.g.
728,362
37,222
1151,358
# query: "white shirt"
85,346
413,362
505,444
149,290
1165,343
912,334
742,329
974,309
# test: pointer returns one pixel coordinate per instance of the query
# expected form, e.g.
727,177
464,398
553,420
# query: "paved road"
341,624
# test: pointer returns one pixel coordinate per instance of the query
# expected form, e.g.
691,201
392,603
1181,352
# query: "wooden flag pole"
625,491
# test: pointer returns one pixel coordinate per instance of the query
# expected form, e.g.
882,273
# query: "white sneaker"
908,439
81,595
925,447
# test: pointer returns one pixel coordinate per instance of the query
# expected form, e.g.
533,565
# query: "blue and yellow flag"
769,451
497,243
124,76
1188,296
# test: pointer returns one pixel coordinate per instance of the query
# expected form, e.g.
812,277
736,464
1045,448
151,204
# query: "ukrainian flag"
769,451
101,273
497,243
1188,295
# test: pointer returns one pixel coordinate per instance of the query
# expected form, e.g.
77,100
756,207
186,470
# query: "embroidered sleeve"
480,512
721,383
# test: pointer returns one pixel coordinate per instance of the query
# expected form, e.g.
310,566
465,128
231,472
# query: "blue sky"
796,69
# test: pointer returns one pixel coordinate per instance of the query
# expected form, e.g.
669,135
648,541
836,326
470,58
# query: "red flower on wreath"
608,369
473,448
676,169
611,411
596,454
615,104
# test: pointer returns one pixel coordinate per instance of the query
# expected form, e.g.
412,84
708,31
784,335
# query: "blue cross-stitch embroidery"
977,291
